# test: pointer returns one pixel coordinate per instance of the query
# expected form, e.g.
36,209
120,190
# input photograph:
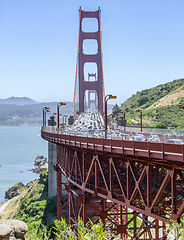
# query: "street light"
140,116
45,109
124,121
58,105
60,115
107,97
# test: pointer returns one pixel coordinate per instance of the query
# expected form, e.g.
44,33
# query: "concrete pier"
52,159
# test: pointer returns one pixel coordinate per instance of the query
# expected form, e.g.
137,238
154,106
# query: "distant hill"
31,114
159,105
15,112
17,101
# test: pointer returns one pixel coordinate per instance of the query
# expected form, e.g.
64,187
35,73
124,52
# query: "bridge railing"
155,150
125,135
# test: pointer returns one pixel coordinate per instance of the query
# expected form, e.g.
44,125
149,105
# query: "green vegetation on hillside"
36,209
165,116
171,116
147,97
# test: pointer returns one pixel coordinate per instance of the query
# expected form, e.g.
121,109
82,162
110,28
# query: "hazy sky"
142,44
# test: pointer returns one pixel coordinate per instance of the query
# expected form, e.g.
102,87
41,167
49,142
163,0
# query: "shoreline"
25,175
4,205
6,199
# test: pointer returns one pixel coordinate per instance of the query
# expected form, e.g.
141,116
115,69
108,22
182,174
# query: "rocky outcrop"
40,159
15,190
12,229
40,169
41,164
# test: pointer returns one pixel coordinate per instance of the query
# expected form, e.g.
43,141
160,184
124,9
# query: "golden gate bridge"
134,187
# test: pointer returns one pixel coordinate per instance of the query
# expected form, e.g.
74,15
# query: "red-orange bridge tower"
81,84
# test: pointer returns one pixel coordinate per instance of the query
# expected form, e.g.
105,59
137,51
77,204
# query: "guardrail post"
133,146
148,148
163,156
111,145
122,145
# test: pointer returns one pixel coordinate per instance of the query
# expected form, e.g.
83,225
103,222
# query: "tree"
116,109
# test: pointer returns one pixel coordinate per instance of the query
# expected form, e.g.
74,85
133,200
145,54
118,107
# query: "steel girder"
131,197
148,179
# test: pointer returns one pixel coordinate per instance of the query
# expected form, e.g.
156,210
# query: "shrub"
161,125
97,231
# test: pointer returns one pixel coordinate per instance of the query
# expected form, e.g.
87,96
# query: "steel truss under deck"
132,195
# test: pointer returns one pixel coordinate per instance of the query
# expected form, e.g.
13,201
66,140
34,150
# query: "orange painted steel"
172,154
108,176
98,85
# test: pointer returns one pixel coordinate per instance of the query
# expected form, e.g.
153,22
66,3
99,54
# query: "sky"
142,45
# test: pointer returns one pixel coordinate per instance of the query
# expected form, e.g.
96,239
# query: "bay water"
19,147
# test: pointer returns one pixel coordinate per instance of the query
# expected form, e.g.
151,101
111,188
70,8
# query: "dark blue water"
19,147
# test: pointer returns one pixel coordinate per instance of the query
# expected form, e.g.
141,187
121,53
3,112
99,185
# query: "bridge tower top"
86,86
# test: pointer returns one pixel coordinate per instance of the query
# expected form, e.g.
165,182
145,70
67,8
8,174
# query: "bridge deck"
159,151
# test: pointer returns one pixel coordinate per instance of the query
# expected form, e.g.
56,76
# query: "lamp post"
107,97
124,121
45,109
60,115
58,105
138,110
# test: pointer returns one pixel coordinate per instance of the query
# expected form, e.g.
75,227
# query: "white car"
139,137
176,141
153,138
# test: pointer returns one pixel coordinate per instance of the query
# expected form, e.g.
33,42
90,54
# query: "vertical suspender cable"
76,64
101,55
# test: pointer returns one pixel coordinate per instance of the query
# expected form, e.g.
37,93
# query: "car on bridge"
116,134
175,141
153,138
138,137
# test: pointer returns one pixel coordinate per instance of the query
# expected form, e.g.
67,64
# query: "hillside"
17,101
33,207
11,114
158,104
171,99
29,114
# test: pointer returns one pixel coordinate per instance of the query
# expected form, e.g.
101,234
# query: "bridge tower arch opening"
92,94
82,84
